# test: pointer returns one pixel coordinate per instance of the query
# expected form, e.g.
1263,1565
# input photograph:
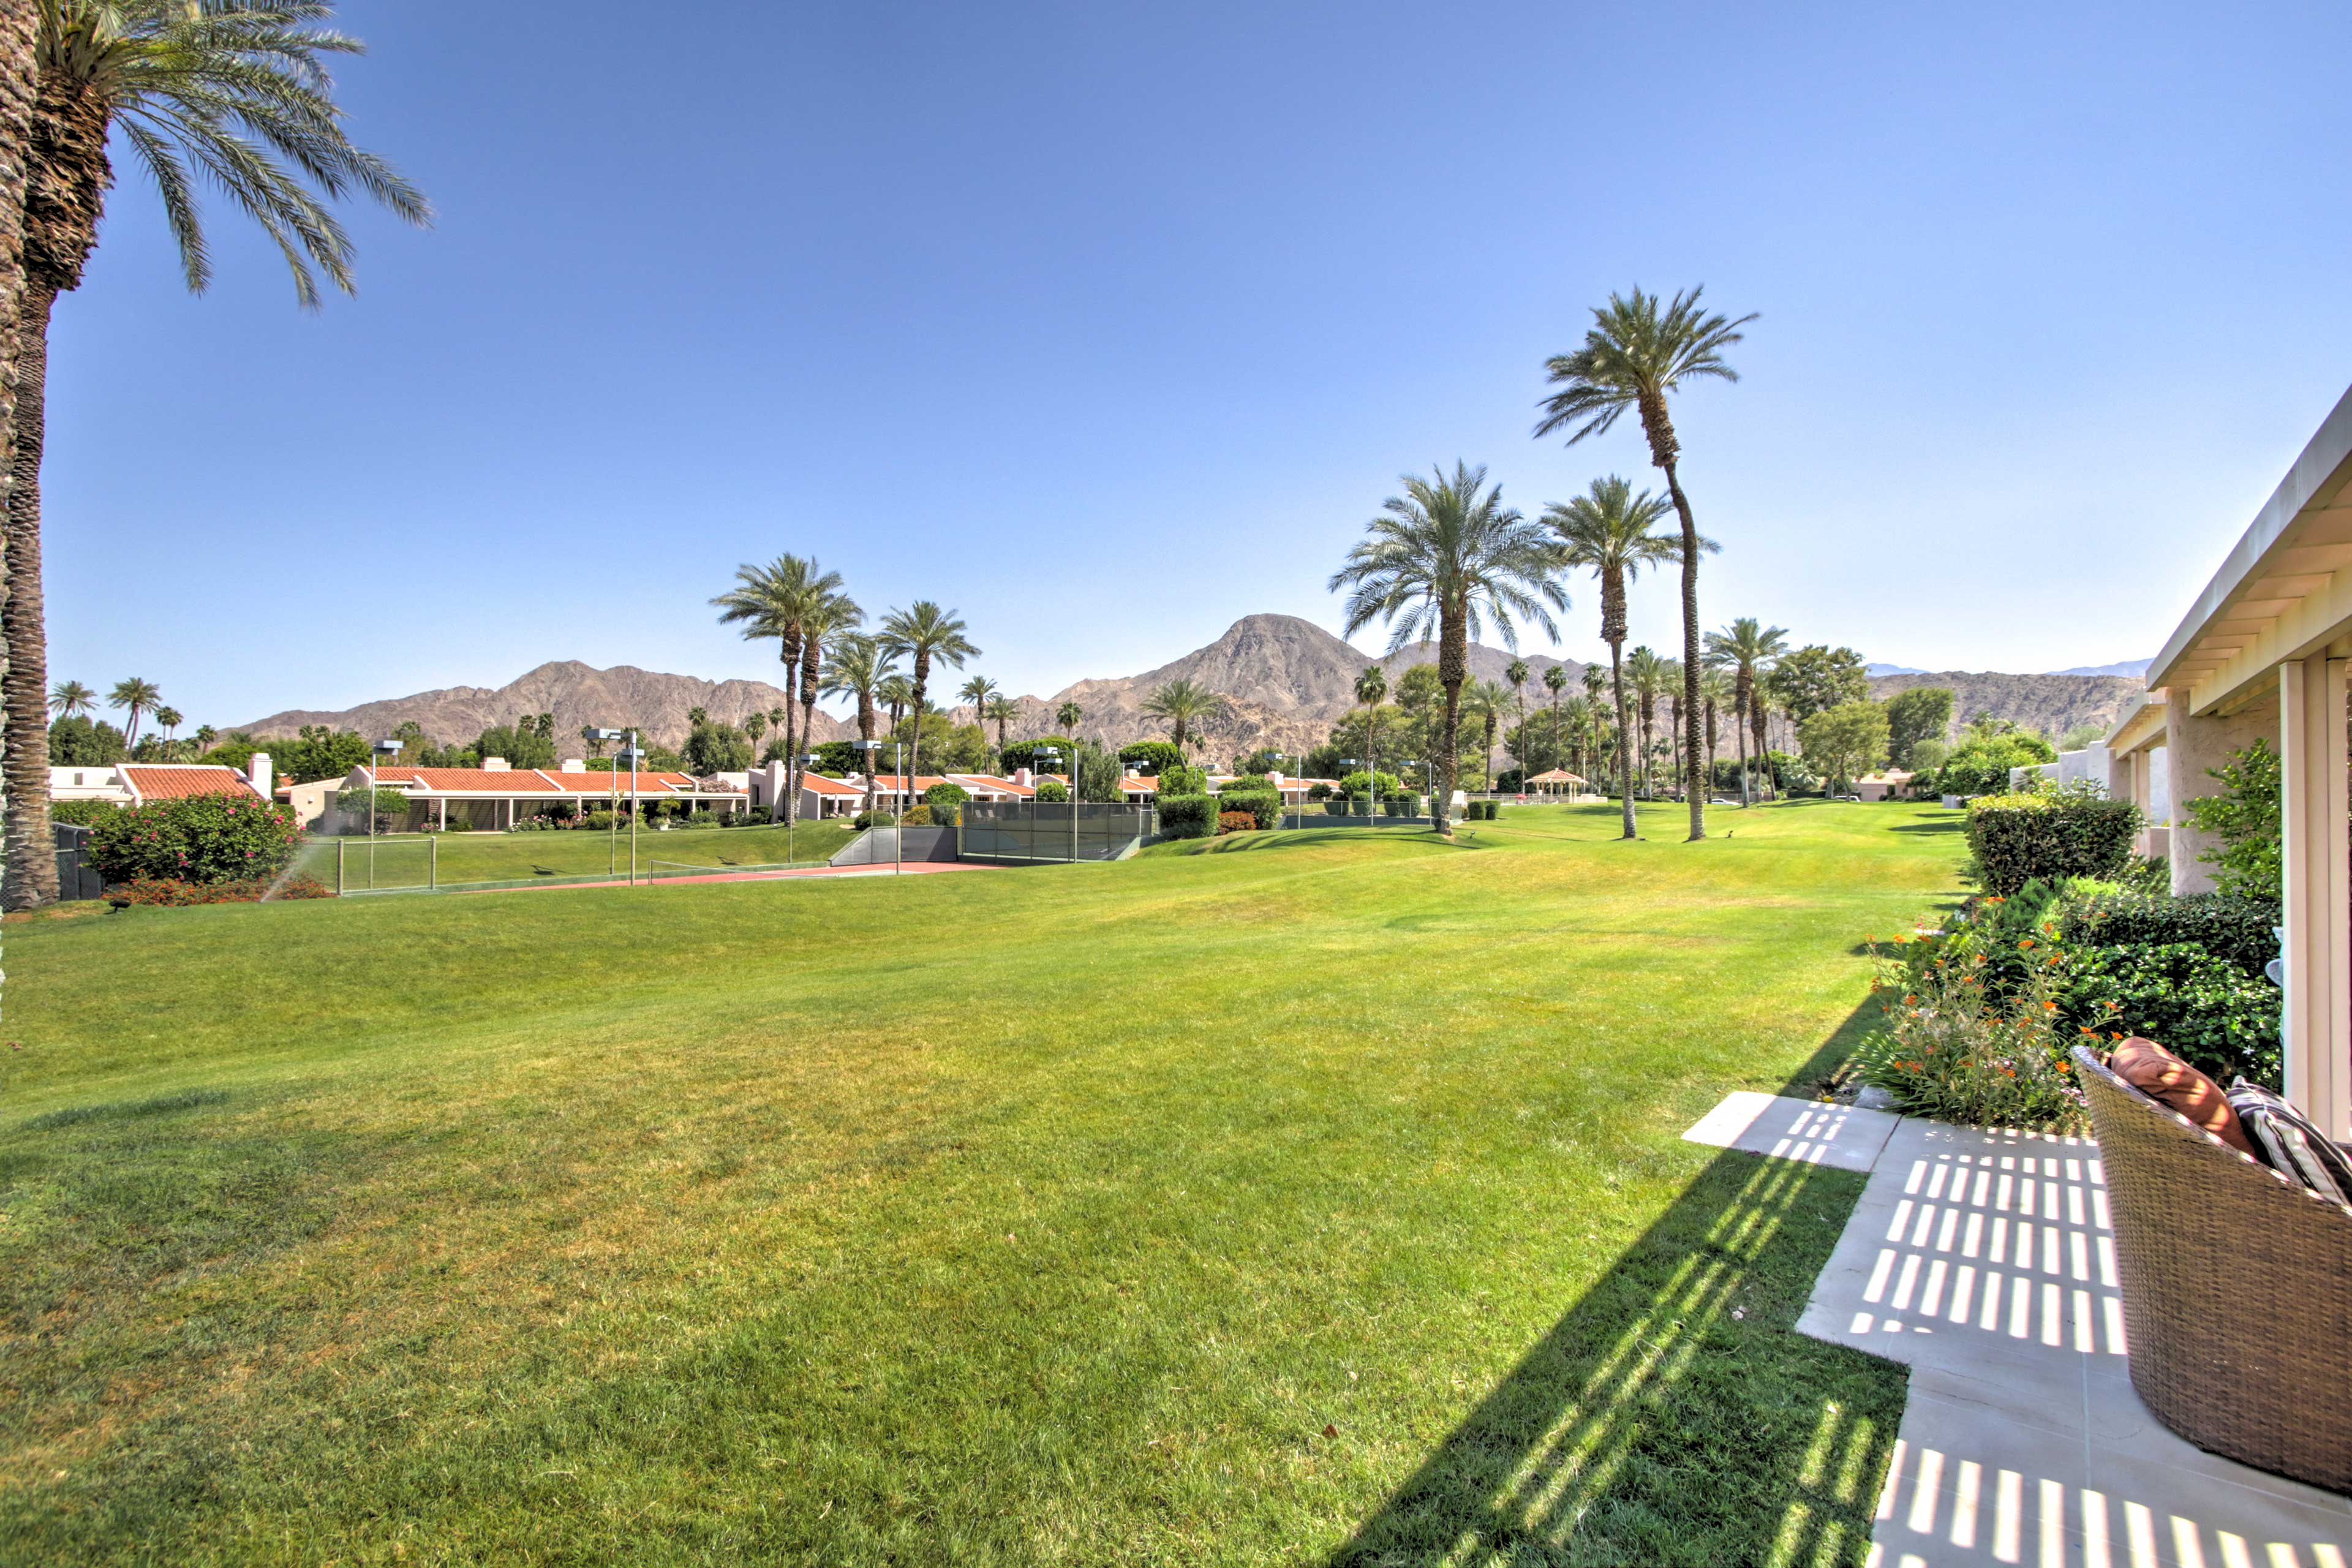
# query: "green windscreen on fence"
1028,831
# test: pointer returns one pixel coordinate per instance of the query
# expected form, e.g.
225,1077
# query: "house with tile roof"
140,784
496,796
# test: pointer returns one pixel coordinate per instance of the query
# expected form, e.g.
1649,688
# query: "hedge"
1263,805
163,891
2239,929
1188,816
2049,834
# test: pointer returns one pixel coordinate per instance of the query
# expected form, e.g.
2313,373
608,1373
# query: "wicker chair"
2237,1287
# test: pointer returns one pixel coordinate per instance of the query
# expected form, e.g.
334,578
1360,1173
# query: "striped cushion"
2291,1145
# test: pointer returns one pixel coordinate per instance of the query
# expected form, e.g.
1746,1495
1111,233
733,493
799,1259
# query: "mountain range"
1286,680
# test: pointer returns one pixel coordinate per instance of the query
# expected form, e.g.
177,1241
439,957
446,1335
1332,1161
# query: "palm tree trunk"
20,28
811,672
791,779
1453,669
865,733
1690,636
1760,728
915,751
1624,735
32,870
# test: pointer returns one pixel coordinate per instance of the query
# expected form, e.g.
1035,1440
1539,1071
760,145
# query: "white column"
2318,892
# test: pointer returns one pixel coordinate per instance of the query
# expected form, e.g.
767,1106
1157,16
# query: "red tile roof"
990,782
817,784
468,781
178,781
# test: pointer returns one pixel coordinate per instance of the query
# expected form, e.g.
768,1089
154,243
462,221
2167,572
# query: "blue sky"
1107,325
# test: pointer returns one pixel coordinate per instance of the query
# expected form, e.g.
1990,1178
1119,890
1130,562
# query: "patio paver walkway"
1983,1261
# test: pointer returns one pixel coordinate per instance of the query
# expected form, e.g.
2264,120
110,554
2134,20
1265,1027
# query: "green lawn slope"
1306,1199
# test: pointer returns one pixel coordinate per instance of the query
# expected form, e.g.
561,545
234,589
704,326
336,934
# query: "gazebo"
1556,778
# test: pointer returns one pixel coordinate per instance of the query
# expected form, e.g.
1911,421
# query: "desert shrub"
1188,816
878,817
2244,818
1235,822
1949,1049
202,838
1053,790
1263,806
81,812
159,890
2071,831
1318,792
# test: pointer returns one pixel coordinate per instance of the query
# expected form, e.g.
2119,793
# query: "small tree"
1843,740
1922,713
2246,820
1052,792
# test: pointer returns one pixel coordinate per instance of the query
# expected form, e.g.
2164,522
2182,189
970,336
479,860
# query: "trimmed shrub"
1235,822
1188,816
81,812
1341,804
1263,807
2189,999
1318,792
1052,792
157,891
203,838
598,821
917,817
878,817
2236,929
946,794
2073,831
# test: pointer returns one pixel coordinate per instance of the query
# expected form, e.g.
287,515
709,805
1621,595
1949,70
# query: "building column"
2318,892
2194,744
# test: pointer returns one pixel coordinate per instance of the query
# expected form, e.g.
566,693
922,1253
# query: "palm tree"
1645,670
862,670
204,737
920,635
1181,704
233,90
1067,716
1637,352
71,699
895,692
169,717
1441,558
1481,702
137,696
1715,689
1556,682
977,692
1608,530
1001,713
696,718
755,724
20,37
775,601
1516,674
1577,714
1371,690
1747,648
830,618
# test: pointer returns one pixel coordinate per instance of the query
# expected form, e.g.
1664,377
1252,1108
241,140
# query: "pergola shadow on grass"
1673,1416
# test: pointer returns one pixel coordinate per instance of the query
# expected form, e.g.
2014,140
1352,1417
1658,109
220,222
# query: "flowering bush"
161,891
202,839
1235,822
1951,1050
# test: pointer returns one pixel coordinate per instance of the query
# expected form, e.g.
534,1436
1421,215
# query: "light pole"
613,828
632,755
382,749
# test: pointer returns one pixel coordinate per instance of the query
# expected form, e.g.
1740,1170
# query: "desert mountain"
2052,704
579,695
1286,679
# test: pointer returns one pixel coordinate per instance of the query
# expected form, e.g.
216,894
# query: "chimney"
495,765
1023,777
574,765
257,772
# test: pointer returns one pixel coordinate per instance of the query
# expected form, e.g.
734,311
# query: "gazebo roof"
1556,775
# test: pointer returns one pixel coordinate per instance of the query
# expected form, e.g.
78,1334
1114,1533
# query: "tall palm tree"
776,601
1181,705
830,618
20,37
169,720
1371,690
1516,674
204,737
755,724
1747,648
137,696
895,692
920,634
1645,672
1067,716
1577,714
1001,713
977,692
1637,352
861,671
234,91
1556,682
71,699
1715,689
1443,558
1482,704
1607,530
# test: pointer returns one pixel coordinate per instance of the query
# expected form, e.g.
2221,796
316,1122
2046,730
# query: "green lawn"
401,861
1307,1198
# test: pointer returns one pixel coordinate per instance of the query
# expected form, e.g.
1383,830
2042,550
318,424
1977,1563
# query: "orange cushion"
2174,1084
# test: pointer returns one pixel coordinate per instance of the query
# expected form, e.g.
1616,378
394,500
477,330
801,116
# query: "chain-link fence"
1024,833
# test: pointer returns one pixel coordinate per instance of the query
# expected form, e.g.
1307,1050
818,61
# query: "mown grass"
1317,1203
401,861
